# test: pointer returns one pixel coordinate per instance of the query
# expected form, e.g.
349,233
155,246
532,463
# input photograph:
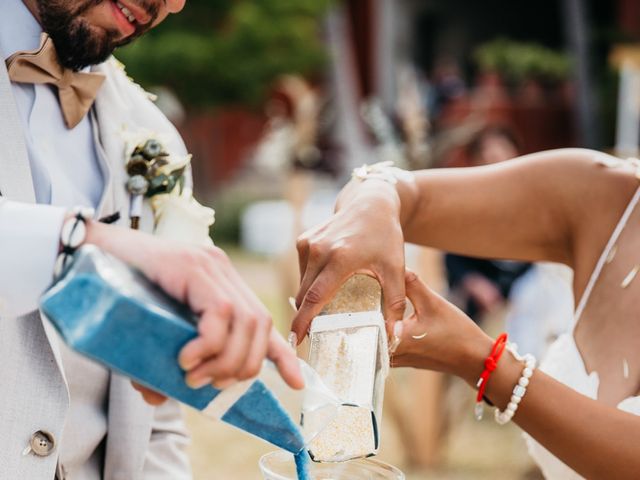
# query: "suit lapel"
110,109
115,115
15,177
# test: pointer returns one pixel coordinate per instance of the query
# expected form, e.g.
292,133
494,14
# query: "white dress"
564,362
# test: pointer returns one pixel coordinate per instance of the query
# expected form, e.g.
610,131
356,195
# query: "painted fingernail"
222,384
292,302
187,365
197,383
397,329
293,340
397,336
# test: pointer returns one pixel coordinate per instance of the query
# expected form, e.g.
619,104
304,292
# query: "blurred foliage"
518,61
230,203
607,88
228,218
229,51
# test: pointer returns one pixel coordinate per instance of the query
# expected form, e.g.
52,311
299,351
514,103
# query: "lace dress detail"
565,363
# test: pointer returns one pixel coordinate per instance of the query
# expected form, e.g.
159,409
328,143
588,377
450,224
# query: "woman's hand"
596,440
438,336
364,236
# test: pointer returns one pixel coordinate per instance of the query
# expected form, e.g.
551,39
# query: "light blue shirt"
64,163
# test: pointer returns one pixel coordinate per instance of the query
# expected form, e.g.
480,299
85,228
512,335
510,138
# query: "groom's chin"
80,45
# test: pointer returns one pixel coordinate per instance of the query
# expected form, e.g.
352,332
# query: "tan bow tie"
76,90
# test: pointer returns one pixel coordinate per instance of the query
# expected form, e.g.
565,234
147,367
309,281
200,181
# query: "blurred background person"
481,286
537,298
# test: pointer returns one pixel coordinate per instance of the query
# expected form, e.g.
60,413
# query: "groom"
63,106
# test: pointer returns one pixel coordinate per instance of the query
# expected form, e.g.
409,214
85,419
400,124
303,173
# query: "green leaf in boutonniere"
152,171
160,184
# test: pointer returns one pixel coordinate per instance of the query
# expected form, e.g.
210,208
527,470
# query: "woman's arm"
521,209
595,440
557,206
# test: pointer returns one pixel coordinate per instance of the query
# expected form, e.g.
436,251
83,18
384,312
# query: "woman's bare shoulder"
599,189
587,181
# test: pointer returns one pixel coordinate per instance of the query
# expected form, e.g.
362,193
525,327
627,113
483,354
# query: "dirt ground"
470,451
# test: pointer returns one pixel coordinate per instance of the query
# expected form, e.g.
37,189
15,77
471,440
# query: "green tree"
229,51
518,61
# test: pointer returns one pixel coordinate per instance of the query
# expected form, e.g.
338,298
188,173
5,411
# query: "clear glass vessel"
280,465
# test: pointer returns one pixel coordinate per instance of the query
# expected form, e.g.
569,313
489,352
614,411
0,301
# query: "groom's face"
85,32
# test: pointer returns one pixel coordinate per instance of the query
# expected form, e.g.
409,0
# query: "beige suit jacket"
143,442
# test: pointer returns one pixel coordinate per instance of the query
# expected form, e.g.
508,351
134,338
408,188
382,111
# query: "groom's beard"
78,43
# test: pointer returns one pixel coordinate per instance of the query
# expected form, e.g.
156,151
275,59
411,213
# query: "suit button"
42,443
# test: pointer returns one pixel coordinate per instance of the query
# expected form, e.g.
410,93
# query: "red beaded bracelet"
490,365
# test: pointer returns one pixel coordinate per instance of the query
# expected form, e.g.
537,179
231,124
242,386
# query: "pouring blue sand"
302,460
113,314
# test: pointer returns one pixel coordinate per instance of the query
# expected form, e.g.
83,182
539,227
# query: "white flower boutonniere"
159,177
181,217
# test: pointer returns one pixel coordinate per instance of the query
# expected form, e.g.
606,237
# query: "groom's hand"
235,329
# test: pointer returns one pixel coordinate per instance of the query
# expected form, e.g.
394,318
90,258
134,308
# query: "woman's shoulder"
606,186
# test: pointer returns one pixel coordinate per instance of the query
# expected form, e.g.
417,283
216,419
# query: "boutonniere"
157,176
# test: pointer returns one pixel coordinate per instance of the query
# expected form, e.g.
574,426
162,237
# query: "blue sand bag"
113,314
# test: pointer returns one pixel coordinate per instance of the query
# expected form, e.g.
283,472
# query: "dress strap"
605,254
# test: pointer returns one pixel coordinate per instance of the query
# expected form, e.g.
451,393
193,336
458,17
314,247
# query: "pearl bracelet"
519,391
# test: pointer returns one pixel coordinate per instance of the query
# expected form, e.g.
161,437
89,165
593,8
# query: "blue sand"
251,413
113,314
302,465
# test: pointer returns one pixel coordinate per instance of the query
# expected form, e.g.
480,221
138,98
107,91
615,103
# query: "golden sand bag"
350,353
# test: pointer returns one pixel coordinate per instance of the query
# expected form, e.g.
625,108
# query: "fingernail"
222,384
397,336
292,302
398,327
197,383
187,365
293,340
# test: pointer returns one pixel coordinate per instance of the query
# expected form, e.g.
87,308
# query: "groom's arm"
235,331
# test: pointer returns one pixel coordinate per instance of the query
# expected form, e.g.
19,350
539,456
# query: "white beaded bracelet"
519,391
